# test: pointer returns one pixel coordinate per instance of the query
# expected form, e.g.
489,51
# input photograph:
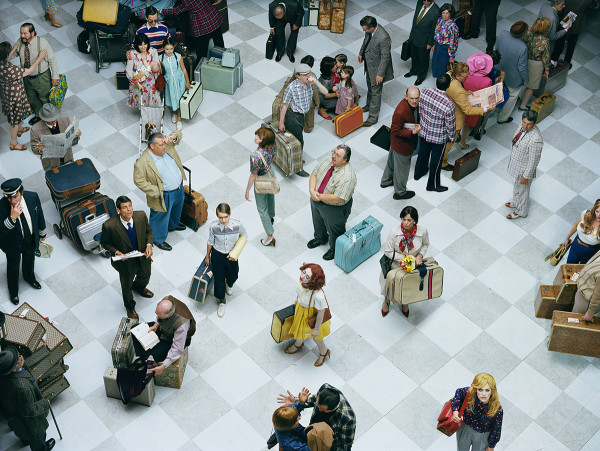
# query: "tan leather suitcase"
406,288
568,287
100,11
338,16
545,302
543,106
195,208
324,21
282,322
578,337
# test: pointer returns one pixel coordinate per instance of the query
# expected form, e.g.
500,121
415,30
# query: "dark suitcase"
463,21
74,215
51,373
55,387
202,283
188,60
572,335
381,138
121,81
221,5
73,179
282,322
83,41
195,208
109,47
466,164
122,350
555,80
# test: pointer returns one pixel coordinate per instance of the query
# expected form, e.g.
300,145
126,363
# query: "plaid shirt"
438,120
204,17
342,422
525,154
342,181
298,96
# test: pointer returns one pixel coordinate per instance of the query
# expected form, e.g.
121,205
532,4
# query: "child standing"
346,91
340,61
176,80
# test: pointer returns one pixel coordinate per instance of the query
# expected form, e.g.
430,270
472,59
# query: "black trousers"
225,271
12,267
201,43
420,61
38,444
329,221
559,45
158,352
137,279
280,38
490,8
430,154
294,123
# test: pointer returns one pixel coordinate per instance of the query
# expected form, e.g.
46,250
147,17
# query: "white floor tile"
230,432
155,419
584,389
384,436
498,232
517,332
81,428
444,383
503,270
244,318
86,367
534,437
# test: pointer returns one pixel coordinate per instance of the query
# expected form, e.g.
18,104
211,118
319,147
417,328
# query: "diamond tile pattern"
395,372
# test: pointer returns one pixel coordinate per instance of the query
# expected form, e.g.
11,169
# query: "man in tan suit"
130,231
52,123
159,174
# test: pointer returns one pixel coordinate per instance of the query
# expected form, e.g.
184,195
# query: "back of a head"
369,22
308,59
284,418
442,82
328,397
327,64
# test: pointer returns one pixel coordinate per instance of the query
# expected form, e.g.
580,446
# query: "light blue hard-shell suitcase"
358,244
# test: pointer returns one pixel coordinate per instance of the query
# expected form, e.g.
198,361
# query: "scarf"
407,240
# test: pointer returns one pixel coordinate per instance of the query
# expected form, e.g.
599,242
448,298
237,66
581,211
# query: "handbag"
445,424
386,263
159,84
559,253
266,184
270,48
58,92
311,320
405,53
45,250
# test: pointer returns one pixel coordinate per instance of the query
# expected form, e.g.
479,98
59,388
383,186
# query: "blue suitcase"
358,244
202,283
73,179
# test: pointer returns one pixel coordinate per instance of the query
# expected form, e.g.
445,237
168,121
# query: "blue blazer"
514,59
11,237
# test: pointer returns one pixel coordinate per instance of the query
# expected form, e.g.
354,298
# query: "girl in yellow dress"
311,300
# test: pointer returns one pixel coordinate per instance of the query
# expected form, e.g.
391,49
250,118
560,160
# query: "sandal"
513,215
321,360
18,146
287,351
324,117
23,130
463,146
509,205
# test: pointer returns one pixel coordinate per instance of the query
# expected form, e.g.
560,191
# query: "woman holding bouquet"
404,240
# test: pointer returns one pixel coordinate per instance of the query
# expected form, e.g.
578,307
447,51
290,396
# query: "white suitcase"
191,100
112,389
198,71
89,231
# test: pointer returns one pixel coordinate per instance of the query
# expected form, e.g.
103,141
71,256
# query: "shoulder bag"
386,263
159,83
311,320
266,184
445,424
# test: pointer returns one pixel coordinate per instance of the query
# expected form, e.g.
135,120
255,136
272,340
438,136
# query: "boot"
50,18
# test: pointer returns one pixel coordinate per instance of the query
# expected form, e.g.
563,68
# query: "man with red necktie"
331,187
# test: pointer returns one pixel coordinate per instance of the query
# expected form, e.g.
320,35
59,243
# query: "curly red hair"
317,281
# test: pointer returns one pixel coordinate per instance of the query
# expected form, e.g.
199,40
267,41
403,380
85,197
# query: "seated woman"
406,239
142,69
587,240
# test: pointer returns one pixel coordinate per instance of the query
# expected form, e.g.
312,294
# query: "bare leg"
322,350
526,96
13,134
178,115
296,346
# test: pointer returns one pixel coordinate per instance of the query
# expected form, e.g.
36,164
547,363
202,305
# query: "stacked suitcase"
219,78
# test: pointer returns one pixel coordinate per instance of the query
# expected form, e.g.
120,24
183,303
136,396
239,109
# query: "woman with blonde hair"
482,420
587,240
538,54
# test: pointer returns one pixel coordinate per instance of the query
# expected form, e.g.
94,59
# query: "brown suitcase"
543,106
567,287
23,334
324,22
580,338
55,387
195,208
466,164
545,303
338,16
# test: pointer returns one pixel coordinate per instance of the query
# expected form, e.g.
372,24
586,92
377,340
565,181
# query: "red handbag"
445,424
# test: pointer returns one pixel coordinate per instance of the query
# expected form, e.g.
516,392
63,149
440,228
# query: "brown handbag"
311,320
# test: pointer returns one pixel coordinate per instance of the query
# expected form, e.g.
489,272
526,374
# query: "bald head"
412,96
165,309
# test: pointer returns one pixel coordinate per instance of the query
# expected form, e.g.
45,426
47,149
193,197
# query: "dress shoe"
145,293
278,58
367,123
34,120
329,255
409,74
418,82
50,444
385,185
14,300
405,313
510,119
292,59
366,109
439,189
221,308
164,246
321,360
448,167
35,284
302,173
406,195
315,243
181,226
132,314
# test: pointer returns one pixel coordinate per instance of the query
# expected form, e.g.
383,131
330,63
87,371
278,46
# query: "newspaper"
132,254
569,19
56,146
409,126
487,97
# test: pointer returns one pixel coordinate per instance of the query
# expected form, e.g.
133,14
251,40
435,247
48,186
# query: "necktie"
421,15
325,180
518,135
25,226
27,63
129,226
370,35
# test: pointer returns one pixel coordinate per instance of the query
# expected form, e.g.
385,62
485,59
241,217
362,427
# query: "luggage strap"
422,272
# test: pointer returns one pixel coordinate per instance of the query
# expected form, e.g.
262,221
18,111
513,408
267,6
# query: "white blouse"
318,298
593,239
420,242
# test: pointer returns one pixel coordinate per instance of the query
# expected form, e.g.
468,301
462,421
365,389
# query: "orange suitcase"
349,121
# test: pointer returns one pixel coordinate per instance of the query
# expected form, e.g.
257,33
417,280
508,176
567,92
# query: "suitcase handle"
189,194
90,217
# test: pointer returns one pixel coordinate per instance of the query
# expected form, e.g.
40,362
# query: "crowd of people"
431,121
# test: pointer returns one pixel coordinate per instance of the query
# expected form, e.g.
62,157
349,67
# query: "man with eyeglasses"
156,31
331,186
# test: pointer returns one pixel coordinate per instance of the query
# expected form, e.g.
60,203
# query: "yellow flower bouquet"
408,263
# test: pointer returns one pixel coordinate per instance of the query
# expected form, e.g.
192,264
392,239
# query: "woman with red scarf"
406,239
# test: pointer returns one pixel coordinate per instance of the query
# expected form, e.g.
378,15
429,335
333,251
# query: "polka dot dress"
12,92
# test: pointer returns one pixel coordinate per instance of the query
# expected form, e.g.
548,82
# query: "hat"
518,29
8,361
11,187
480,64
302,69
49,112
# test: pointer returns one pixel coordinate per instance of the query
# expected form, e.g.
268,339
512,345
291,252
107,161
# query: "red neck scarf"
407,240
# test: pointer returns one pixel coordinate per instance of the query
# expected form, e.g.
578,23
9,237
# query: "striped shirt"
342,181
156,35
223,237
298,96
438,119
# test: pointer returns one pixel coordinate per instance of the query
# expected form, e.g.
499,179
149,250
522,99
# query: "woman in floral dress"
538,54
143,67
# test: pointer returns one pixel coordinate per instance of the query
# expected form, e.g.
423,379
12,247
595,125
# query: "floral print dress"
142,91
12,92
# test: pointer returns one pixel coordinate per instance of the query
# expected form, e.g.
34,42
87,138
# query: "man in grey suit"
376,52
421,38
514,64
551,10
525,155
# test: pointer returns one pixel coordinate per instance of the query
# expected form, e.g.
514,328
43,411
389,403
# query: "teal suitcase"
358,244
217,78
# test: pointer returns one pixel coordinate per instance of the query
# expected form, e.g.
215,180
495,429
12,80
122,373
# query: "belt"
587,245
296,112
35,76
173,190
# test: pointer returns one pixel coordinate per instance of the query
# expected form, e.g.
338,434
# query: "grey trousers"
521,197
509,106
329,221
265,204
38,90
373,99
466,437
396,170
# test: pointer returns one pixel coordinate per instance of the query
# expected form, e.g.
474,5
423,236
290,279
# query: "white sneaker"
228,290
221,309
174,118
179,127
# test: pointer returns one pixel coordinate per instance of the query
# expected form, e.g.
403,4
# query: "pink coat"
475,83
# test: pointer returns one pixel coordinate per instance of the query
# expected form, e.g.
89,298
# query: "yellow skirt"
300,329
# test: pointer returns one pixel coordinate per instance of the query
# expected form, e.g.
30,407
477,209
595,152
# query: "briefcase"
23,334
51,373
121,81
111,388
195,208
466,164
381,138
324,18
191,100
405,53
229,57
282,323
349,121
201,283
289,149
543,106
545,302
89,232
78,213
572,335
338,16
55,387
122,350
556,79
100,11
73,179
358,244
406,288
564,280
217,78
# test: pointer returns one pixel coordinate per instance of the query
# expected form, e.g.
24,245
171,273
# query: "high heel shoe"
383,312
287,351
405,313
268,243
323,356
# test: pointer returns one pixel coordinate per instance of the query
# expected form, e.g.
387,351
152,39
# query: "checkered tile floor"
395,372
